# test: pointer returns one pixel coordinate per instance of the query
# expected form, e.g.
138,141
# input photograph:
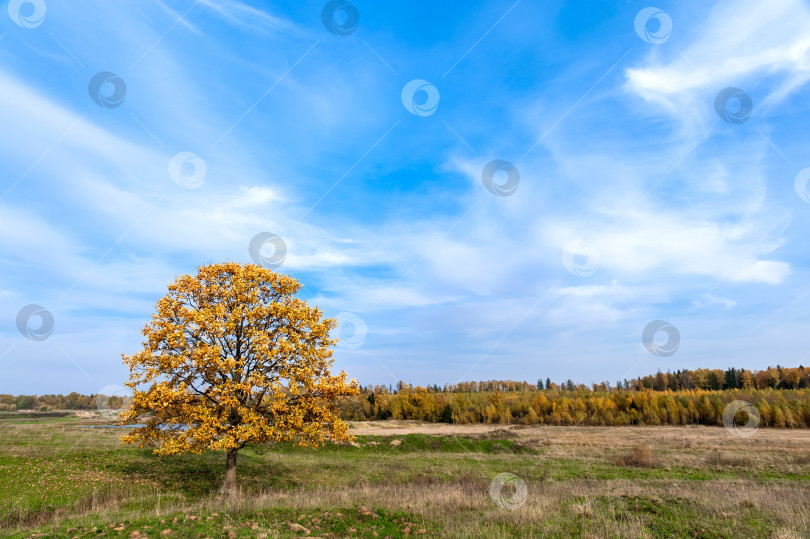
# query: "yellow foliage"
231,358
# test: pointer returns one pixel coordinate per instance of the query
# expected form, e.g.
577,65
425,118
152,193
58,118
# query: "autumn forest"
689,397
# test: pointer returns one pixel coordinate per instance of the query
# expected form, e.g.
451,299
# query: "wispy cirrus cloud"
735,44
383,212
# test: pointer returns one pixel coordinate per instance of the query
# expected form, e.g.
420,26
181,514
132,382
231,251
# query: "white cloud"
736,44
672,244
41,124
246,16
710,300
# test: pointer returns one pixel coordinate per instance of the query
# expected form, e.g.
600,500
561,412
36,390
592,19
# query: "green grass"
679,517
58,480
409,443
271,522
34,419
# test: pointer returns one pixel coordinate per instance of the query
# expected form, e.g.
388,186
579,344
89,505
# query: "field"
402,479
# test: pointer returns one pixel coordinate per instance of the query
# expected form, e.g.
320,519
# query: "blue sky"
636,201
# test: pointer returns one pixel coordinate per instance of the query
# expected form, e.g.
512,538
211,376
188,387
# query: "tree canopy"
232,358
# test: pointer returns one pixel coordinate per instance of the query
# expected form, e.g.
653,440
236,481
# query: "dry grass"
640,456
546,502
585,481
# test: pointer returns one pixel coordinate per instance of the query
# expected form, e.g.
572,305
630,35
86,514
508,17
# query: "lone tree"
232,358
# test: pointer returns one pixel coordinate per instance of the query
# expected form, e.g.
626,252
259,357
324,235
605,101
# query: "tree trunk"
229,487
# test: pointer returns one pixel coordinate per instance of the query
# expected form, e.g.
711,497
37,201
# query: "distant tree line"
46,403
777,408
688,397
710,379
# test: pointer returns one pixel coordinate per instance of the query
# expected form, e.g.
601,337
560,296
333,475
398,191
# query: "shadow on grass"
198,476
190,477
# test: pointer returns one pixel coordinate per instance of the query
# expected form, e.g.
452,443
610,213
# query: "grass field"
406,479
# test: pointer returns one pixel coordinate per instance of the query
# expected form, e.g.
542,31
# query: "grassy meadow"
404,479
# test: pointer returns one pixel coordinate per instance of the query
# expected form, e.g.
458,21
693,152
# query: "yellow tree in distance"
233,358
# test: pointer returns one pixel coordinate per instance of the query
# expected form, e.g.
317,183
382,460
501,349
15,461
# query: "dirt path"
394,428
695,437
